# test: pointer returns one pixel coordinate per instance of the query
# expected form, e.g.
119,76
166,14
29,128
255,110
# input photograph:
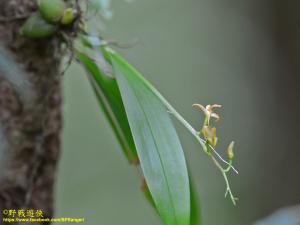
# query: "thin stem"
228,189
229,166
173,111
223,160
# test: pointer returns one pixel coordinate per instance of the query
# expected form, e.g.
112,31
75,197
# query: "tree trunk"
30,113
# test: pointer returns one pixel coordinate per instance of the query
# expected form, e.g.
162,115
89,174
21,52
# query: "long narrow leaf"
108,95
195,209
158,146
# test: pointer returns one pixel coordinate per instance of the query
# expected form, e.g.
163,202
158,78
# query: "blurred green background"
241,54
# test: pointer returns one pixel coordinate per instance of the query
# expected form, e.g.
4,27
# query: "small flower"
210,135
209,110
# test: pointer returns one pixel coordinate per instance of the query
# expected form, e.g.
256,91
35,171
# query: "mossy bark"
30,114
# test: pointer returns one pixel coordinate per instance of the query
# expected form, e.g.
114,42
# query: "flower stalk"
209,134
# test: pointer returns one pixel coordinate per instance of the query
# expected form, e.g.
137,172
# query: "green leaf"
109,97
158,146
195,210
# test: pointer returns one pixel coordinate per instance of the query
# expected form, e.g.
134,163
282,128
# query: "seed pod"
37,27
68,16
51,10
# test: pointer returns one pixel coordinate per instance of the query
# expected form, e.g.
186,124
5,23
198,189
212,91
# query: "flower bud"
230,152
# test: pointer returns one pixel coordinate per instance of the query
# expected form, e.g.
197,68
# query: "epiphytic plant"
139,115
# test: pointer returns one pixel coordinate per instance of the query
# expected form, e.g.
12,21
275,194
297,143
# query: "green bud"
36,27
51,10
230,152
68,16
